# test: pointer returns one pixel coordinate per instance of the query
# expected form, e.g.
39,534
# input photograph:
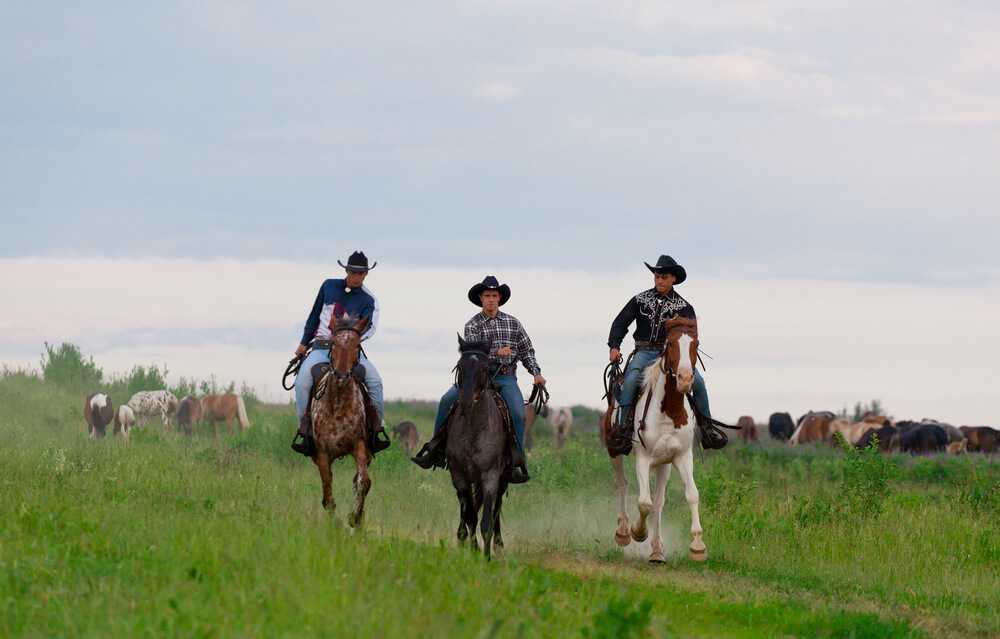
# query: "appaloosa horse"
663,436
477,448
338,416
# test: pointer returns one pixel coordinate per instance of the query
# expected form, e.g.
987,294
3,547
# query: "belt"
321,344
649,346
505,370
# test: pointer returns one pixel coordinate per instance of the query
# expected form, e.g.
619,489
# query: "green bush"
65,366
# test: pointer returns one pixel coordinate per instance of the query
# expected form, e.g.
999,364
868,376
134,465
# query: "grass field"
175,536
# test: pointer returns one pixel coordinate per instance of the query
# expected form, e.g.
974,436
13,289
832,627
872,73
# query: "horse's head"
472,372
345,345
681,351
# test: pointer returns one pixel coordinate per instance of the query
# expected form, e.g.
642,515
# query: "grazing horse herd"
98,411
925,437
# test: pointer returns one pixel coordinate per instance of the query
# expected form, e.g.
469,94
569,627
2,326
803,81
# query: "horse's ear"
461,342
362,323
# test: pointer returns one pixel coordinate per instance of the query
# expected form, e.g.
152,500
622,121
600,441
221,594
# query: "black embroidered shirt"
648,310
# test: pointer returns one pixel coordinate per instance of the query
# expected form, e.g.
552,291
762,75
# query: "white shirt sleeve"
373,324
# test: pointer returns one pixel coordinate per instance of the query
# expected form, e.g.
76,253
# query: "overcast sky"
838,146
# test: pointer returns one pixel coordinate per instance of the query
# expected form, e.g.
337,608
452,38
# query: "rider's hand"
300,350
505,351
614,355
539,380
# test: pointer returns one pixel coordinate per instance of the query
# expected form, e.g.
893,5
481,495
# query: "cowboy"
336,298
509,343
649,310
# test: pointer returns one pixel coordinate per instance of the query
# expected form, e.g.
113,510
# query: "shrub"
67,367
865,482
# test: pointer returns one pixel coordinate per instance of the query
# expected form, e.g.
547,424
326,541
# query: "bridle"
333,370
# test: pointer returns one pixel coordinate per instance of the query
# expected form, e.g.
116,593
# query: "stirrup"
380,443
305,447
430,456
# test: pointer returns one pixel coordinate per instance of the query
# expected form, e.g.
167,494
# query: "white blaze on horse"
148,404
663,437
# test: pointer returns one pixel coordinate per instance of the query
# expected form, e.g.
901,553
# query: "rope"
539,398
292,369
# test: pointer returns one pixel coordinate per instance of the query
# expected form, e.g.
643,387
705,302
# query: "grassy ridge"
204,537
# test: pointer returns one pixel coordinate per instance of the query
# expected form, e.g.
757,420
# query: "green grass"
203,537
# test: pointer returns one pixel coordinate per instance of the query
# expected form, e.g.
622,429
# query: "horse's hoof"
622,538
698,555
355,520
656,557
640,535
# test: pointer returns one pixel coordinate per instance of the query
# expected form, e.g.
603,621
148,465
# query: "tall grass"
174,535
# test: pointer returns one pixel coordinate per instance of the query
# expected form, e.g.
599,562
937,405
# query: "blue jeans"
507,384
304,382
633,377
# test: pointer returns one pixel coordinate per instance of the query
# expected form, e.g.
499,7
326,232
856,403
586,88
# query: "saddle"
505,417
372,424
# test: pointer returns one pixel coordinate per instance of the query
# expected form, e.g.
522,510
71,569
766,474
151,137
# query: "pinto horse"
663,437
477,449
338,416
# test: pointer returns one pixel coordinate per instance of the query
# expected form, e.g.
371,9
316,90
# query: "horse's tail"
241,412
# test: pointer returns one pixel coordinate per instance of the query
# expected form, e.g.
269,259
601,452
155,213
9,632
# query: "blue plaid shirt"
503,330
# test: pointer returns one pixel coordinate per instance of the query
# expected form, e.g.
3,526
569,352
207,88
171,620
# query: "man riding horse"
650,309
508,343
336,298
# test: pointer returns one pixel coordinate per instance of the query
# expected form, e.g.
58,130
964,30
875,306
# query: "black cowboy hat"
357,263
489,283
667,264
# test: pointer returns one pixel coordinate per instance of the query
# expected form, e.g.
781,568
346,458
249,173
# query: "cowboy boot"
518,467
432,455
378,439
307,445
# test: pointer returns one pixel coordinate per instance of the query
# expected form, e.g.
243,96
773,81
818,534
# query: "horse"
338,416
406,433
124,420
561,420
228,408
147,404
748,429
663,438
476,449
813,427
189,413
781,426
98,411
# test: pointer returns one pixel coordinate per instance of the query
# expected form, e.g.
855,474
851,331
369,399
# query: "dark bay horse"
477,449
338,416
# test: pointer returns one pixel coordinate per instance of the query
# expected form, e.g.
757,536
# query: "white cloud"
776,344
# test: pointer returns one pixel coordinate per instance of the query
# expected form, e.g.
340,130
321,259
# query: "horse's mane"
474,347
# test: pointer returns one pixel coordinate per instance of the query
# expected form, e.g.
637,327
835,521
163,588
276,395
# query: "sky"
810,165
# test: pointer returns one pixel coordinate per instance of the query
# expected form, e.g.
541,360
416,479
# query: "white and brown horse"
663,437
146,404
98,411
338,416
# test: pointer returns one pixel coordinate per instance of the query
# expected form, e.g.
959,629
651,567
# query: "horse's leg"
470,516
659,496
464,506
642,460
323,461
622,536
685,466
362,484
490,490
497,537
